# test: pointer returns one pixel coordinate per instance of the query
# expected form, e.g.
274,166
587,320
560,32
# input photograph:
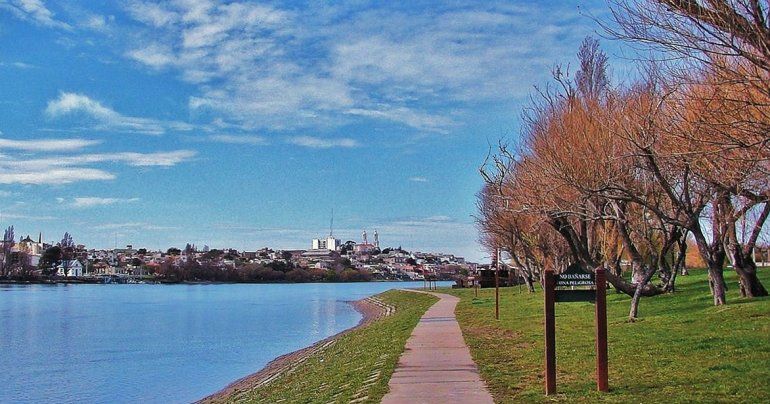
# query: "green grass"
347,367
683,349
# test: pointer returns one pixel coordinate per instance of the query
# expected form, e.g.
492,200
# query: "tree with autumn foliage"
631,174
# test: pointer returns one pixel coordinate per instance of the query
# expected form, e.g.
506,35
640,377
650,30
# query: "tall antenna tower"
331,225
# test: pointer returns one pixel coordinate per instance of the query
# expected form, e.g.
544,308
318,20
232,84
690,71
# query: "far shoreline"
97,281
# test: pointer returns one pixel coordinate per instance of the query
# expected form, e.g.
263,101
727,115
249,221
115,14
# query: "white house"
74,268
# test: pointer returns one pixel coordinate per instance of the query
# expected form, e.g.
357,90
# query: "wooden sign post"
602,383
578,281
497,294
550,333
496,263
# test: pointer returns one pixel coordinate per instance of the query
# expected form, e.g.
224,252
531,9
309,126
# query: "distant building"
31,247
329,243
364,248
74,268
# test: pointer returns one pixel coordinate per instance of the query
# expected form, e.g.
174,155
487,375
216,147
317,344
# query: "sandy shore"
370,308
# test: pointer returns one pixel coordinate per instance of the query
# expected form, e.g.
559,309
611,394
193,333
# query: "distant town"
327,260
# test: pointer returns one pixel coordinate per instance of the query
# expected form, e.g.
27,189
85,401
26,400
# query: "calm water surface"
158,343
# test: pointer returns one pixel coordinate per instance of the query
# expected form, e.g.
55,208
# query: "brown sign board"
575,277
564,296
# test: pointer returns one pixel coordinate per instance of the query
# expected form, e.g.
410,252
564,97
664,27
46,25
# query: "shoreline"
98,281
371,309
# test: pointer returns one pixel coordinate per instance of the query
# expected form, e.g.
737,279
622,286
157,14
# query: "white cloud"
35,11
22,65
73,168
97,22
320,143
7,215
70,102
152,14
91,201
157,159
107,118
154,55
242,140
18,65
47,145
417,120
55,176
418,179
290,68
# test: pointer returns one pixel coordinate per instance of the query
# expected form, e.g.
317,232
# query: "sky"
243,124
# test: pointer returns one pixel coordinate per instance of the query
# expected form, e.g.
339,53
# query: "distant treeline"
256,273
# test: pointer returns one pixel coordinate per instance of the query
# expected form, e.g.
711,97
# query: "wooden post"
550,333
602,383
496,263
497,295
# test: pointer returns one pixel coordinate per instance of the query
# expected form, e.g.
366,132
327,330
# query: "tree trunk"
678,263
639,287
714,255
628,288
749,283
717,284
530,284
671,285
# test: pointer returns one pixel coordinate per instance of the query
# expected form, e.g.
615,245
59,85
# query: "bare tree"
703,32
7,249
67,246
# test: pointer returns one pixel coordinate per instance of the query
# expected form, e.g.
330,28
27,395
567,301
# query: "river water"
159,343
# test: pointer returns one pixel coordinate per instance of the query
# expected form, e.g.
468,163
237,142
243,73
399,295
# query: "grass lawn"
358,365
683,349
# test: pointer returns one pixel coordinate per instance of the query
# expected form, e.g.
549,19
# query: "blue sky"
243,124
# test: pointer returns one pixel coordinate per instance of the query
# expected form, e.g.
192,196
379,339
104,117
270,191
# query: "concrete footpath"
436,366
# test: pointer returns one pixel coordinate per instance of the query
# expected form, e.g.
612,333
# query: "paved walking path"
436,366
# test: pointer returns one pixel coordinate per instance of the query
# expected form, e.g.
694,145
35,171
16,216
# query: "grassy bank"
357,366
683,349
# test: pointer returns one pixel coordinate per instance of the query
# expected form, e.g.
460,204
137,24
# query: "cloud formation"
57,170
106,118
284,67
18,65
252,140
54,176
320,143
47,145
91,201
34,11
